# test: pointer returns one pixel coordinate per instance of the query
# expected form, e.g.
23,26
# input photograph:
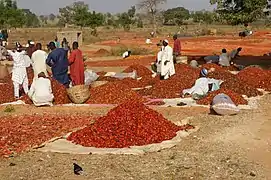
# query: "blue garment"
1,36
59,63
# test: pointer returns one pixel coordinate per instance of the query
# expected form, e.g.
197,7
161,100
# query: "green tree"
204,17
11,16
65,15
78,14
126,19
176,16
31,19
240,11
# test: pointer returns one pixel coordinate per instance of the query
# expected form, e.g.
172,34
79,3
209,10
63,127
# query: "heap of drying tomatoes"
184,78
236,98
233,83
19,133
112,93
140,70
256,77
129,124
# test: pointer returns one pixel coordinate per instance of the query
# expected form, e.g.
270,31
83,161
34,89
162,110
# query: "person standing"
176,48
5,37
39,61
41,91
65,46
3,51
59,63
19,74
57,43
76,63
31,48
167,64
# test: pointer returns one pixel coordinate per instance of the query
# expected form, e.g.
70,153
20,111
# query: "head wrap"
204,72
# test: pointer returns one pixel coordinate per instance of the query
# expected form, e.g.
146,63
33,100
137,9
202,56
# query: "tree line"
149,12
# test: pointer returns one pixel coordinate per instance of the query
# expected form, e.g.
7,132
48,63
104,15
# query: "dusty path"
235,147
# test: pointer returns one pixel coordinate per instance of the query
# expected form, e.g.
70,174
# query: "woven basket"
79,94
98,83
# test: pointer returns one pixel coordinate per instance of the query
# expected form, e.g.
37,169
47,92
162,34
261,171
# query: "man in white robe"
39,61
19,74
41,91
167,64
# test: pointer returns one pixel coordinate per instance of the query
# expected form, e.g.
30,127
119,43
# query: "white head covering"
166,41
32,42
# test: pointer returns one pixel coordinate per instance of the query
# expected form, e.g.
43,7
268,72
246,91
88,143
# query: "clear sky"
46,7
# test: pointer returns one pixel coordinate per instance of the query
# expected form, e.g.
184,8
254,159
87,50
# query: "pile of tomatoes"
129,124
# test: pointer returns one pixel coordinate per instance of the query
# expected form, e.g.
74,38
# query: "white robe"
27,60
168,69
39,62
159,61
201,86
19,66
41,92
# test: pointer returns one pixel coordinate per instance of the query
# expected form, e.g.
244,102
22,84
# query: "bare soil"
234,147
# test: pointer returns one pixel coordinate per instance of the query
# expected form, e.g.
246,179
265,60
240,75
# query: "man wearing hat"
202,86
58,61
19,74
167,64
30,48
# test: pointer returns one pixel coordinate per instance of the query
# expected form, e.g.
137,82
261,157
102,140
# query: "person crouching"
41,91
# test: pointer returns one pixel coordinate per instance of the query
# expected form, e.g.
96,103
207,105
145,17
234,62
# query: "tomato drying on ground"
130,124
113,93
140,70
184,78
236,98
19,133
256,77
231,82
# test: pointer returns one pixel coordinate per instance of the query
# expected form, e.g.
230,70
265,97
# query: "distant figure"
3,51
152,34
1,35
5,37
246,32
41,91
39,61
57,60
76,63
148,41
126,54
235,53
57,43
224,59
176,48
65,46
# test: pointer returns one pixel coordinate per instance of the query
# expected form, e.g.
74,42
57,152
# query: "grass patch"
9,109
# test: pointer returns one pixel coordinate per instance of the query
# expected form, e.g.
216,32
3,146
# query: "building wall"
71,36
